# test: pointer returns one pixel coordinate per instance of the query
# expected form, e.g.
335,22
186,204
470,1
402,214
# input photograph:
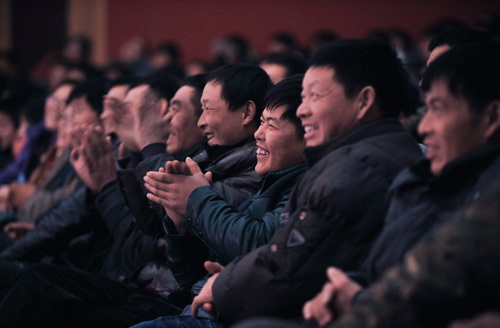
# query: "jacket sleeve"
42,201
120,222
54,230
185,256
147,214
225,230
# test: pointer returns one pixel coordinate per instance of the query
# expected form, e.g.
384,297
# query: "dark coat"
332,217
421,202
452,274
228,231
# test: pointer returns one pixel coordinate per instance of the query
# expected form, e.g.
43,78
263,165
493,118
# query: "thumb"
213,267
193,166
209,177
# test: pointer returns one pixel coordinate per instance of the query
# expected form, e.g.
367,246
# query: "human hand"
334,299
205,298
93,160
172,187
17,230
149,125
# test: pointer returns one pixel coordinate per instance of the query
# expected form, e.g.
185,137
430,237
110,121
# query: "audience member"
280,143
323,222
280,66
460,129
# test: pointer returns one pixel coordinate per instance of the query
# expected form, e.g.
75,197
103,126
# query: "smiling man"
229,231
461,130
352,94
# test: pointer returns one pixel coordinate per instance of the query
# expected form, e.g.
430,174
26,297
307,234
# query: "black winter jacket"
422,202
332,217
228,231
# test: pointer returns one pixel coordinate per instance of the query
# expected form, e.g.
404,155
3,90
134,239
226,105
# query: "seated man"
461,130
102,302
238,230
351,98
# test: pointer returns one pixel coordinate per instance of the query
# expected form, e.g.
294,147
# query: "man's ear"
365,103
493,119
248,112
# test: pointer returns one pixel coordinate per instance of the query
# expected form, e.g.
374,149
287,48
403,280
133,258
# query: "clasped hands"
172,185
92,156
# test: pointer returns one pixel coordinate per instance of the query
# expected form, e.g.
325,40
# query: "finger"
159,177
196,305
169,168
208,307
213,267
163,202
193,166
176,166
307,312
209,177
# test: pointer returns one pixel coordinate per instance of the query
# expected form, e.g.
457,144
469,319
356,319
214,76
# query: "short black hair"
362,62
161,86
93,91
293,63
470,71
197,82
287,93
457,36
242,83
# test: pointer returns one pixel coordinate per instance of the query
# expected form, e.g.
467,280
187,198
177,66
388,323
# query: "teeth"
309,128
209,136
262,152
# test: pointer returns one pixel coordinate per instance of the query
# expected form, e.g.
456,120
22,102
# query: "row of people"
268,246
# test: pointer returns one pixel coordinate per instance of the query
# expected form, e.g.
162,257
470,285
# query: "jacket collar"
370,129
271,178
458,171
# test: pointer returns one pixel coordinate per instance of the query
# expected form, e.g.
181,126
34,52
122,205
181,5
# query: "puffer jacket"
421,202
332,217
228,231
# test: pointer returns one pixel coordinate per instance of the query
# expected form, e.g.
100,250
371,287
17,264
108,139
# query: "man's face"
113,108
449,127
54,106
276,72
219,125
184,132
325,111
278,144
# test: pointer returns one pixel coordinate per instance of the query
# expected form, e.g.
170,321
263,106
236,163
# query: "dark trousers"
51,296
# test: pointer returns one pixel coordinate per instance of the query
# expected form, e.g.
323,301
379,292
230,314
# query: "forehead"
137,92
274,113
62,92
318,76
184,94
212,93
438,90
118,91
